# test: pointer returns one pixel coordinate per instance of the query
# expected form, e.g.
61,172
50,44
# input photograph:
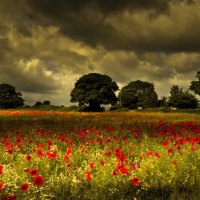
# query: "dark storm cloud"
130,25
85,20
15,13
46,45
56,7
4,46
102,22
28,81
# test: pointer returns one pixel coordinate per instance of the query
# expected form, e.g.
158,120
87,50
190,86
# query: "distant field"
112,155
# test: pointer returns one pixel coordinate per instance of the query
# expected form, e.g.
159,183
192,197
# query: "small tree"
38,104
93,90
175,90
138,93
195,85
46,103
182,100
9,98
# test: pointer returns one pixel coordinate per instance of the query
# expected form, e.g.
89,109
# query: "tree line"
94,90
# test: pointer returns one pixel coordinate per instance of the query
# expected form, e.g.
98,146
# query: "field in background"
125,155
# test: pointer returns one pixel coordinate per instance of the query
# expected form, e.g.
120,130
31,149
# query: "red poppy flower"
88,176
33,172
170,151
174,163
118,152
40,153
165,143
38,181
26,170
10,197
102,163
133,167
150,153
9,151
28,158
68,165
108,141
1,185
69,150
108,153
1,169
124,139
135,181
122,169
157,155
131,152
91,165
24,187
41,146
100,141
115,172
50,155
66,158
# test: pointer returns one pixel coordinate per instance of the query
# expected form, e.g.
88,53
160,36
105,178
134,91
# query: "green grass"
129,143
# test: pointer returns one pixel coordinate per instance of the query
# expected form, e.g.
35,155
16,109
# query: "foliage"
94,90
175,90
128,98
46,103
38,104
138,94
150,98
195,85
9,98
182,100
162,102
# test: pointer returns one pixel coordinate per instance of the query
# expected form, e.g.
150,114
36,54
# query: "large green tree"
127,98
9,98
138,93
181,99
195,85
93,90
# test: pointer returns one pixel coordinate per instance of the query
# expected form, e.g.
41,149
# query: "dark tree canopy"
175,90
150,98
181,99
162,102
38,104
93,90
195,85
127,98
46,103
138,93
9,98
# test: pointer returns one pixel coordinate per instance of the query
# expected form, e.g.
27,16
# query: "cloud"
57,7
161,69
48,45
43,65
140,25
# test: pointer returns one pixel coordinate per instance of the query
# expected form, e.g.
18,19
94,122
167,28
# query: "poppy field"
90,156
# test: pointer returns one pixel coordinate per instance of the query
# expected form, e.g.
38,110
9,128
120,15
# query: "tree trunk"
94,106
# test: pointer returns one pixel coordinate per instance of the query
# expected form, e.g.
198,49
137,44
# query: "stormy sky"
46,45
